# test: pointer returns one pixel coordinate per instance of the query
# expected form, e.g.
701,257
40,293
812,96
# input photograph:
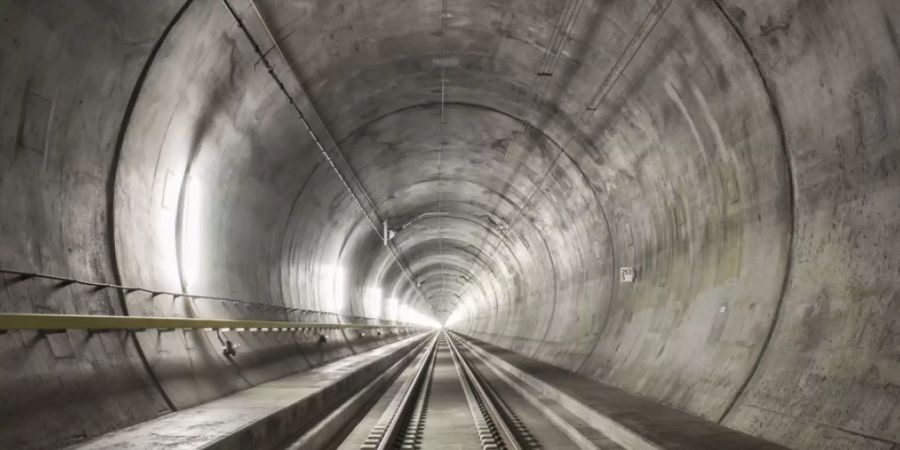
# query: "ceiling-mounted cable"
648,24
556,44
645,28
546,68
441,143
361,198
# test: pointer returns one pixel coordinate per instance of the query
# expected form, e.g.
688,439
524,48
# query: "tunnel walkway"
438,390
651,223
262,416
632,420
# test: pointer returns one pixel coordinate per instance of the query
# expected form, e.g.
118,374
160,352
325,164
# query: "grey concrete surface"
744,159
263,416
356,435
532,414
449,424
629,420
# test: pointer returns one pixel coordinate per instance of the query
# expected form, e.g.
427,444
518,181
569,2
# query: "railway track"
447,400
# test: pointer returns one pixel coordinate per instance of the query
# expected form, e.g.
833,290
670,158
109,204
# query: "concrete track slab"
633,421
356,437
535,413
262,416
449,424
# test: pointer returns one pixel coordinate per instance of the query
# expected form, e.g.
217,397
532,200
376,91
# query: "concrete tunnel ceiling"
486,160
741,156
521,151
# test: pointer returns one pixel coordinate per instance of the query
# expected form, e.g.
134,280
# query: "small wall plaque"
626,274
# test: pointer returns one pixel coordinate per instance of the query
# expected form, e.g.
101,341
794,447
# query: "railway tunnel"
457,224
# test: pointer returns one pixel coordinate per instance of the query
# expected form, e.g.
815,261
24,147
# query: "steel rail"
14,321
385,433
480,391
485,428
420,381
515,424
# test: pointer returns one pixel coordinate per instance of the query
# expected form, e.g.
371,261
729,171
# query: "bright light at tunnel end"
411,315
460,313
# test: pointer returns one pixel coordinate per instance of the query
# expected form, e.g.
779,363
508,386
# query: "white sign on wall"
626,274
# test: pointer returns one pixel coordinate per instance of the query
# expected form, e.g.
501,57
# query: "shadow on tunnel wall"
747,164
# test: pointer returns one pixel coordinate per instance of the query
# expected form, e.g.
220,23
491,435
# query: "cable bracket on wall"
316,129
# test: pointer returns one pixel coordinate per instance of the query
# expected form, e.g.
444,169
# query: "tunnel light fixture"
171,189
192,232
373,300
392,308
333,283
387,234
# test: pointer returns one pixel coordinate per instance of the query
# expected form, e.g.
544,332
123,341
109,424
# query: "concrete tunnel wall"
744,161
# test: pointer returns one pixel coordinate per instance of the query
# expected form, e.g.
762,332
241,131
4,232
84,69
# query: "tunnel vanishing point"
450,224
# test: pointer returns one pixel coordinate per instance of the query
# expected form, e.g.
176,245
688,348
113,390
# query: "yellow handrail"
14,321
